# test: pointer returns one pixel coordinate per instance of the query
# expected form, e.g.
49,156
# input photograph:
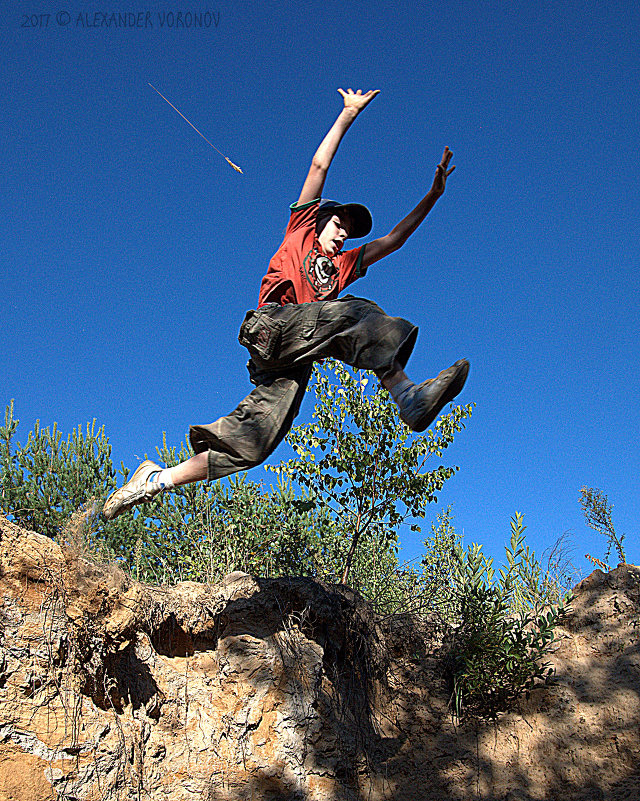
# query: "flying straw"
228,160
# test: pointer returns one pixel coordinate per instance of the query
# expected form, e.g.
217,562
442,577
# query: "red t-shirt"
300,272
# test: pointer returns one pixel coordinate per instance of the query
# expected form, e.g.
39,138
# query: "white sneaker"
137,490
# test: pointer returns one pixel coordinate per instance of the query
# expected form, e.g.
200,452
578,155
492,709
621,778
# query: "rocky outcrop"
287,689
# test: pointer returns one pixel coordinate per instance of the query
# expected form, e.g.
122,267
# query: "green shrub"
50,479
504,626
360,464
597,513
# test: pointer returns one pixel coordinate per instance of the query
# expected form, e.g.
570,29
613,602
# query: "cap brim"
360,216
361,219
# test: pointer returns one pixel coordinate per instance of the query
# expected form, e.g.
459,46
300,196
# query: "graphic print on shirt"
320,272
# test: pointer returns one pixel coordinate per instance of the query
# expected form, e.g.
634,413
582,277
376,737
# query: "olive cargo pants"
283,342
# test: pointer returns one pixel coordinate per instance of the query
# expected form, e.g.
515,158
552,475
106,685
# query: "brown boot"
426,400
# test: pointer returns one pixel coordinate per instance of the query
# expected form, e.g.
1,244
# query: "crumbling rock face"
112,689
286,689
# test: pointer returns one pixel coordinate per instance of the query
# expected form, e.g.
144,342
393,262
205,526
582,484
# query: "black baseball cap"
360,216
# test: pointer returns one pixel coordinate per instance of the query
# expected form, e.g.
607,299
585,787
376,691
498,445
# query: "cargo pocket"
309,323
260,334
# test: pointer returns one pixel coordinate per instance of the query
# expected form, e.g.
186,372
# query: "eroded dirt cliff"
286,689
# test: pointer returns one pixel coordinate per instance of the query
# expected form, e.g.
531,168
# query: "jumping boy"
299,320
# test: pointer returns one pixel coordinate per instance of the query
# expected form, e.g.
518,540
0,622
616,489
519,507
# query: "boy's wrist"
350,113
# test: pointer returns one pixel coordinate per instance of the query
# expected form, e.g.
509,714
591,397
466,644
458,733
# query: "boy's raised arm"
354,103
396,238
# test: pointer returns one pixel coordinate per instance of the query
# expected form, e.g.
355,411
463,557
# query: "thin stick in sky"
228,160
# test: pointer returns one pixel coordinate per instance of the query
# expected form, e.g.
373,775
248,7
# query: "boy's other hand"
442,172
356,101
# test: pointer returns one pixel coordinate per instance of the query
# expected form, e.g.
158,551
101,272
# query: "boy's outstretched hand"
442,172
356,101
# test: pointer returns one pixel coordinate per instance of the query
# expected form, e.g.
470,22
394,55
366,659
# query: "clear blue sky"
130,250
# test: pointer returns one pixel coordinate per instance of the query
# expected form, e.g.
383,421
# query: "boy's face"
333,235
